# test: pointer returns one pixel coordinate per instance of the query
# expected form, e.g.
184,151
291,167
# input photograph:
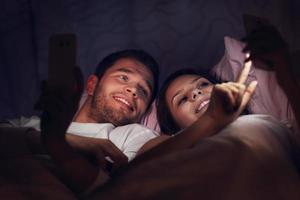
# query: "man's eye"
123,77
182,100
143,92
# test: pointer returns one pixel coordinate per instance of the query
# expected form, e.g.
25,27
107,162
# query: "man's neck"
82,115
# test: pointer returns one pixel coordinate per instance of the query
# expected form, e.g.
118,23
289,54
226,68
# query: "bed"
253,158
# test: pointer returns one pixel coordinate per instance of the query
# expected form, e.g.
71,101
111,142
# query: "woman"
193,107
186,95
189,101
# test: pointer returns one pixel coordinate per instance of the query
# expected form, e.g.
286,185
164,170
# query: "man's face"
123,94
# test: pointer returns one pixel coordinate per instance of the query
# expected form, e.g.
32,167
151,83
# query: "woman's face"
188,98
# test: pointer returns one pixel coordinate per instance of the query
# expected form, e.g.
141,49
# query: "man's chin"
123,122
122,119
117,117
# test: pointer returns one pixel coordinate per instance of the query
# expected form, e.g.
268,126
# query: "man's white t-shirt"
129,138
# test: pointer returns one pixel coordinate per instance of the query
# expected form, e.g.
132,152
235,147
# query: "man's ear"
91,84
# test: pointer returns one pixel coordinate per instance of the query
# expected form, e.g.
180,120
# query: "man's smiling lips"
124,101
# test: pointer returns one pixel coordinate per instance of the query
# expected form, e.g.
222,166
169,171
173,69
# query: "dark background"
178,33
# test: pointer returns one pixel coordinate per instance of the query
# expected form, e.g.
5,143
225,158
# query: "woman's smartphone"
62,60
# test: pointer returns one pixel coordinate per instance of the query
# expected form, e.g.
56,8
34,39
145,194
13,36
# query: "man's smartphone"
62,60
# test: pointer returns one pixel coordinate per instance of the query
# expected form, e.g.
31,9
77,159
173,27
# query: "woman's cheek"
186,118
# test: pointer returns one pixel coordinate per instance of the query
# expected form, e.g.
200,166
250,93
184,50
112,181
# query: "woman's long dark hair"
166,121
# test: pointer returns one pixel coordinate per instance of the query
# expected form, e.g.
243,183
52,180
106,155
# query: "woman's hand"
263,44
228,100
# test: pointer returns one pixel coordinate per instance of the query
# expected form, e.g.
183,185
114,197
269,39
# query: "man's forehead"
134,67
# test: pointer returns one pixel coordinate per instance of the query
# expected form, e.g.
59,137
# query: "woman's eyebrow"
195,80
176,94
191,82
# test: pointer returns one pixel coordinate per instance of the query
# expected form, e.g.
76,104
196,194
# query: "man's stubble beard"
102,112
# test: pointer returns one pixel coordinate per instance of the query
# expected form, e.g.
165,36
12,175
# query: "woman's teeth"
202,105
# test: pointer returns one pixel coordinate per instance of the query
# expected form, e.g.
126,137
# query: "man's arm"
59,104
75,169
19,141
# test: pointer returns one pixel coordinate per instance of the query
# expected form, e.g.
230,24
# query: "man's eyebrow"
126,70
191,82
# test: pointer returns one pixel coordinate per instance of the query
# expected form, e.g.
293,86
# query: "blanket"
250,159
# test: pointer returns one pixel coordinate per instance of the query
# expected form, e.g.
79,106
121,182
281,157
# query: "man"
118,95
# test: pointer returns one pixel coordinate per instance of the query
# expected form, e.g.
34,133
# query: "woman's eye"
182,100
203,84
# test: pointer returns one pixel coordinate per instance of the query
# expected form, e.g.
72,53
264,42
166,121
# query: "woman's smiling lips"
202,105
124,101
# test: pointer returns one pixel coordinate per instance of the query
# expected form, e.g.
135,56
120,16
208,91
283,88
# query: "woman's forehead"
182,81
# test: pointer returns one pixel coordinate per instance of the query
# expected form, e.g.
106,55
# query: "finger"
115,154
238,91
225,94
249,91
236,87
245,72
101,161
39,104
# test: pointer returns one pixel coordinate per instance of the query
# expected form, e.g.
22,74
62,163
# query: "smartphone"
62,60
252,22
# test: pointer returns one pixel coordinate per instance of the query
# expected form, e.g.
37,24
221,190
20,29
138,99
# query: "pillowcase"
268,97
150,120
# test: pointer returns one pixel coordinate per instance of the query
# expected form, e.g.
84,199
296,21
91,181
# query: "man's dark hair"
139,55
166,121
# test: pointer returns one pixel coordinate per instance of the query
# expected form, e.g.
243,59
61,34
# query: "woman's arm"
287,81
268,46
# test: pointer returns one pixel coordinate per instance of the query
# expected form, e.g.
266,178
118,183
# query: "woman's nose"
196,93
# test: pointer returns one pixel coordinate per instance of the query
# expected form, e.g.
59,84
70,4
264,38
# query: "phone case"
62,60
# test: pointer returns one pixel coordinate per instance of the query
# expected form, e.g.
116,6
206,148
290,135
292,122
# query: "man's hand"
59,104
98,150
228,100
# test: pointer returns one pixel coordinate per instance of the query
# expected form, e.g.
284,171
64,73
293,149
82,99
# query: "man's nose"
132,90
